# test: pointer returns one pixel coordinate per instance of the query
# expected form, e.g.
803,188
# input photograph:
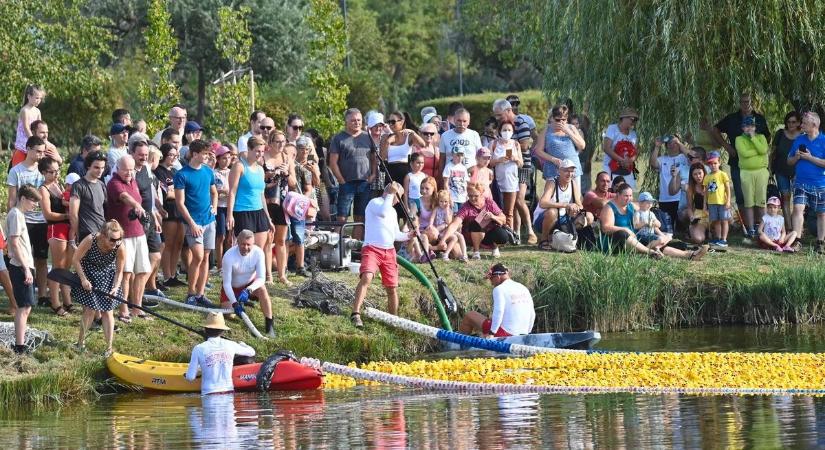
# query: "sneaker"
208,285
155,292
302,272
355,318
204,302
174,282
192,299
150,303
496,253
797,246
161,287
476,255
214,271
722,243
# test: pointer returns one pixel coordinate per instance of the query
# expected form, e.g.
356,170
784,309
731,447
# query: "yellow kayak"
168,376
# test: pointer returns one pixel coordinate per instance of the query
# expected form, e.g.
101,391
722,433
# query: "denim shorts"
355,195
718,212
784,184
810,196
297,230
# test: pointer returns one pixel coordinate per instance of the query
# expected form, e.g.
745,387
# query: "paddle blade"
447,297
64,276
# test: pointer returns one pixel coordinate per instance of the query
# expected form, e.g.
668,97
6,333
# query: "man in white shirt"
243,272
254,130
460,138
214,357
513,312
118,148
378,252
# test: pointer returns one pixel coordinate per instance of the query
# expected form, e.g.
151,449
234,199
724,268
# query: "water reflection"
383,418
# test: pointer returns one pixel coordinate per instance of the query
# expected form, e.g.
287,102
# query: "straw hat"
628,112
215,321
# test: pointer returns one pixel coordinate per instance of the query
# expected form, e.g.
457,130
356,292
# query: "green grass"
571,292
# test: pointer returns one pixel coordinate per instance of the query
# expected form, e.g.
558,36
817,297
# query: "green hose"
411,268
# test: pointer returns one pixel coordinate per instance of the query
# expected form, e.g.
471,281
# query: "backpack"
623,149
663,218
296,205
565,236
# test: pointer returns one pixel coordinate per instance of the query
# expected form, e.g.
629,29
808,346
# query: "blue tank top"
620,220
250,187
561,147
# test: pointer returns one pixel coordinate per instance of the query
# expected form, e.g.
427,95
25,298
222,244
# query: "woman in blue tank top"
245,205
617,230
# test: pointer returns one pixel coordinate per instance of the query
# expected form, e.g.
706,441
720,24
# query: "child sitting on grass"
718,188
440,220
647,226
772,235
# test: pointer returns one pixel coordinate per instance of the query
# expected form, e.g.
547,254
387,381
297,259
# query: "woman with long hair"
55,210
697,216
172,225
279,172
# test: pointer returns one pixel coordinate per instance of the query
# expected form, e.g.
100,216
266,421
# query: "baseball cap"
646,197
774,201
713,156
427,118
427,110
483,152
374,118
222,150
496,269
566,164
191,127
72,177
458,151
117,128
748,121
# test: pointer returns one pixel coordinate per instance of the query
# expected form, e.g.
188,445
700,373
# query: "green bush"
480,106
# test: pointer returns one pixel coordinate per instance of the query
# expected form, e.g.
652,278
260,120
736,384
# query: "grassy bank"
571,292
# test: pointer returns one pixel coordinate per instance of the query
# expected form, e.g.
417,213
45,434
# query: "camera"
144,218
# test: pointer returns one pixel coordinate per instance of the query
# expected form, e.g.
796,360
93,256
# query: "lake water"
387,417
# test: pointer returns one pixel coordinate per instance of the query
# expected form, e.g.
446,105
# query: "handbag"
564,237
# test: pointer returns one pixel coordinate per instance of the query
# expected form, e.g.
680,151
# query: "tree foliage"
230,100
328,45
674,61
158,91
51,43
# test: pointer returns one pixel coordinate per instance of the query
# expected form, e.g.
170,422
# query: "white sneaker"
476,255
496,253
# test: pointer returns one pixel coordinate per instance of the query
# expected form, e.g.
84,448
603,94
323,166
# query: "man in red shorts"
378,253
513,312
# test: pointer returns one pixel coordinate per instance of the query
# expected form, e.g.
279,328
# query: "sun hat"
646,197
628,112
215,322
496,269
774,201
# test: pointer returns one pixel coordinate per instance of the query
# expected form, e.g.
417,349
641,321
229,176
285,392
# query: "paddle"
443,291
68,278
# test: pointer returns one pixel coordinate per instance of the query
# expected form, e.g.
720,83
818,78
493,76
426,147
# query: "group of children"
714,195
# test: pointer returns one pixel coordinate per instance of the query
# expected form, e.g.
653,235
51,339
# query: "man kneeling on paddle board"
513,312
244,273
215,357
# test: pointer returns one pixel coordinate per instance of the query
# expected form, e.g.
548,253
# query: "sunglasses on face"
297,127
267,128
514,103
427,134
114,240
394,121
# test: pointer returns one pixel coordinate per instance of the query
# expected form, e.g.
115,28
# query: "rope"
245,318
500,388
32,339
462,339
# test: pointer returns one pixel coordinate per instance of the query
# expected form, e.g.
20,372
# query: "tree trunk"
201,91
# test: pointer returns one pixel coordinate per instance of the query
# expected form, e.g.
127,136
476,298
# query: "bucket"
355,267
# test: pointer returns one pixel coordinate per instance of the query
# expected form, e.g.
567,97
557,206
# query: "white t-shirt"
512,308
645,217
614,134
458,177
381,224
113,155
239,270
214,358
772,226
469,141
20,175
665,163
415,185
506,172
565,196
16,226
242,142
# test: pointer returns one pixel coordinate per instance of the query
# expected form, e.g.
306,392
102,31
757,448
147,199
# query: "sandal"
545,245
697,254
145,316
69,308
59,311
124,318
532,239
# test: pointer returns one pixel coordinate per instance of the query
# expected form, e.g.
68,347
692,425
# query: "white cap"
374,118
71,178
428,118
427,110
566,164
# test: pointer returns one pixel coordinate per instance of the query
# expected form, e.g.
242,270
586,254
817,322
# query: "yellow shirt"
716,187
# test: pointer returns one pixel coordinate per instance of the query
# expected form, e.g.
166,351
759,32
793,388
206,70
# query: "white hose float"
501,388
458,338
245,318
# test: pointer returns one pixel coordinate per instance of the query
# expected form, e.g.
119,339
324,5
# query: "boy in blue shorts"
718,187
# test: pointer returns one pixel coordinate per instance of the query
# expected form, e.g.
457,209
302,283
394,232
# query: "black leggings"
496,235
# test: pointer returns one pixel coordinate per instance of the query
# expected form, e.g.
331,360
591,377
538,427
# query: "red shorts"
17,157
59,231
236,290
501,332
374,259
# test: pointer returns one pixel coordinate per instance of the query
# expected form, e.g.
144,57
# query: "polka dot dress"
100,269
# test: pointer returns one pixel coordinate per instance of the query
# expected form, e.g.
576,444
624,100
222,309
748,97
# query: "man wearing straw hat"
513,312
215,356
